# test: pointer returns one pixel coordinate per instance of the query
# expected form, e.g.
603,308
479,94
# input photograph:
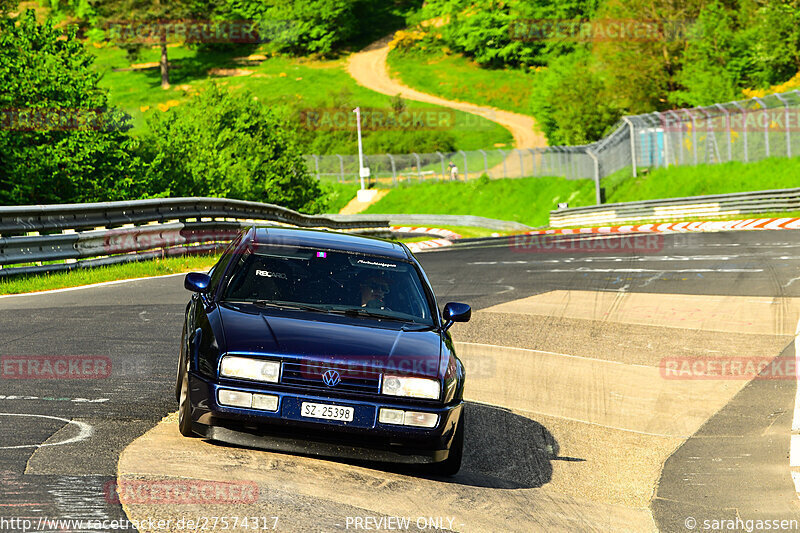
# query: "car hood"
330,338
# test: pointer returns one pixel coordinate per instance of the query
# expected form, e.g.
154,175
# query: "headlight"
246,368
411,387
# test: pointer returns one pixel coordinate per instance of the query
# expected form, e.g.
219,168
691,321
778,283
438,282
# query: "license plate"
326,412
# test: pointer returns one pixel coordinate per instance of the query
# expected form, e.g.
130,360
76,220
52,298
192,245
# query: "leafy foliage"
7,5
49,153
696,52
231,147
715,61
342,137
572,102
501,33
321,27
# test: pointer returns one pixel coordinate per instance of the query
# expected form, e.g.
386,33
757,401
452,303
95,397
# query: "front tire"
184,405
451,465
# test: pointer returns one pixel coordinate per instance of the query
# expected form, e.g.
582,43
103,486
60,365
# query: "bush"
233,147
75,148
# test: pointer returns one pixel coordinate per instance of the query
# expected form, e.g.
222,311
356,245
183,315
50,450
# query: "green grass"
525,200
468,232
529,200
455,77
673,182
278,81
337,195
88,276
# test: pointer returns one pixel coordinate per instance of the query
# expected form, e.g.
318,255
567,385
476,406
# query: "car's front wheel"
184,405
451,465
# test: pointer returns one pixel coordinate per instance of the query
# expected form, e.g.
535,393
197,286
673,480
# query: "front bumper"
286,430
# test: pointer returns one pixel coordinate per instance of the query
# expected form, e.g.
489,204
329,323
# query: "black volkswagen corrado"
322,343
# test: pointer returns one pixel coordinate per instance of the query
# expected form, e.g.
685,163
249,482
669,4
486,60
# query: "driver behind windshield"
374,288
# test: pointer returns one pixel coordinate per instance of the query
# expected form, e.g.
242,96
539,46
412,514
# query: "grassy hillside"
525,200
280,82
529,200
673,182
455,77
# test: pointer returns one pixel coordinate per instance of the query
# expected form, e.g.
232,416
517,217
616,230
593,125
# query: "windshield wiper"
283,305
359,311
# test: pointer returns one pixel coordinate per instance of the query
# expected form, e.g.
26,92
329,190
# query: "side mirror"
197,282
456,312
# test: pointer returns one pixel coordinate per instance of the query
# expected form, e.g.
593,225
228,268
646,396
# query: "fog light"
421,420
234,398
391,416
266,402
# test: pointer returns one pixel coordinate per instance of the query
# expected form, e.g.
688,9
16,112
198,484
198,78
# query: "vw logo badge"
331,378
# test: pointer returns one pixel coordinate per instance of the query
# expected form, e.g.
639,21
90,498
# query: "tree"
132,23
772,29
715,61
644,70
7,5
59,140
571,102
300,26
230,146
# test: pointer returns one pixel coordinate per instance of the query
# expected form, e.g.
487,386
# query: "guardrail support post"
466,170
505,170
633,143
786,119
766,124
521,163
694,134
341,168
441,157
663,121
485,162
728,128
679,122
596,175
744,129
394,170
419,165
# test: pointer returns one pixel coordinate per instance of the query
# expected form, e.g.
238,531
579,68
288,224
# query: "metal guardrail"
84,235
442,220
672,208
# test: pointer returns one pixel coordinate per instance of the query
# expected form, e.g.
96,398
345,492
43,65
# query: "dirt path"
368,67
355,206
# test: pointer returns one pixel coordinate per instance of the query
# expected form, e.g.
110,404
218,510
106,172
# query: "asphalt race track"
576,421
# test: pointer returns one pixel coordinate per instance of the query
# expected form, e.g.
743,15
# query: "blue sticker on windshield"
322,255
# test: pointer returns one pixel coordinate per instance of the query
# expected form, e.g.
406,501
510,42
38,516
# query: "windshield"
329,281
